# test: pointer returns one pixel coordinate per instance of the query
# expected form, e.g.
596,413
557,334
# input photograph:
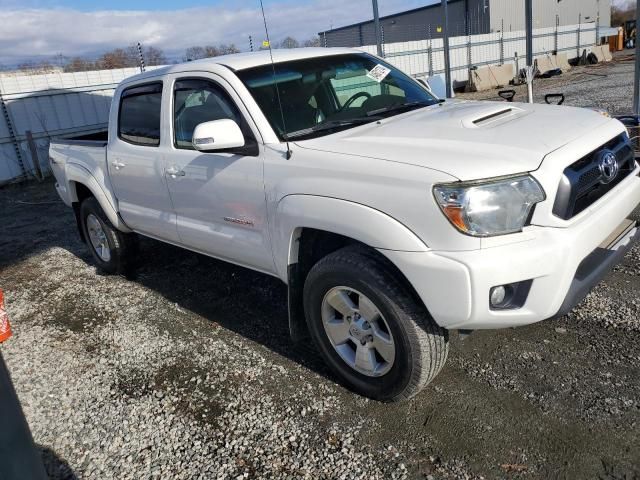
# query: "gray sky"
32,28
42,29
622,3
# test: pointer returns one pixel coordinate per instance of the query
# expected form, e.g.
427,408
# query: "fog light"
498,295
509,297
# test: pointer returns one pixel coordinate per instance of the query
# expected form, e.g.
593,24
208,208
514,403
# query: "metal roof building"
547,12
469,17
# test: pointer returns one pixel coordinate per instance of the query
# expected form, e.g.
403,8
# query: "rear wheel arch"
79,192
83,185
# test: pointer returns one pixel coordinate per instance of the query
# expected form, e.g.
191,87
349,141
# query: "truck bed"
82,156
90,139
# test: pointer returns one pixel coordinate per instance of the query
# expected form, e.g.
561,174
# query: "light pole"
376,21
447,53
636,91
529,27
530,71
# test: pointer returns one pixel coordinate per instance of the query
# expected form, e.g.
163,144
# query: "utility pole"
636,91
141,58
376,21
529,28
447,53
530,70
13,135
598,23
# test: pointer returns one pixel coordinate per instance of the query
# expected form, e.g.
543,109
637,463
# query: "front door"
218,197
136,163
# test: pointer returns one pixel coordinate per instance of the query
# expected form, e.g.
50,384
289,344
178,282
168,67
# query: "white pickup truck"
392,216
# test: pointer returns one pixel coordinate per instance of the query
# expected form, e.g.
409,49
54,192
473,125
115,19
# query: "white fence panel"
51,105
426,57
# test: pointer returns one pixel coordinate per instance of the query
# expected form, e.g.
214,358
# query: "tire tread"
429,340
125,243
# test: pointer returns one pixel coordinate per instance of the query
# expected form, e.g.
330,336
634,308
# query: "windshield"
323,94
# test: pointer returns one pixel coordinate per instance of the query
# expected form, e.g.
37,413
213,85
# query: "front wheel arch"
296,212
312,245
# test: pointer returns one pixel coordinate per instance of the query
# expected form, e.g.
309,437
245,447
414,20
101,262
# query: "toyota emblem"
608,167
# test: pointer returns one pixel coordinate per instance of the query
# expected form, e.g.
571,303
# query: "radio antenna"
275,83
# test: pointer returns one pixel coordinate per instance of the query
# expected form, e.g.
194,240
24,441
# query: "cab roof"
242,61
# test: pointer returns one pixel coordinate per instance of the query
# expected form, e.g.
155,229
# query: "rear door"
136,162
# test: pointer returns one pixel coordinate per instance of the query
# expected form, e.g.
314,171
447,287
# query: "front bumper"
595,266
563,263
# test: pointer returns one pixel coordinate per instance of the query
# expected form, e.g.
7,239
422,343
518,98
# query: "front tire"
112,249
372,332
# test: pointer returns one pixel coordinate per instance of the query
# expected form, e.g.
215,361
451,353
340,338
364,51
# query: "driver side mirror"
217,135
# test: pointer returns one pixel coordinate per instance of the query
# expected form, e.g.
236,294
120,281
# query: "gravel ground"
187,371
607,86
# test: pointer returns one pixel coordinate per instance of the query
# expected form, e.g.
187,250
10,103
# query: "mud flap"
297,322
76,212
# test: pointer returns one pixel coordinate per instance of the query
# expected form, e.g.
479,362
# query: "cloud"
29,33
623,3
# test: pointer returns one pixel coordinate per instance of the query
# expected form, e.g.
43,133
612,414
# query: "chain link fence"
479,36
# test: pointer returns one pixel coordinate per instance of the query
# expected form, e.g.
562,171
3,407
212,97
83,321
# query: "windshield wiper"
330,125
398,108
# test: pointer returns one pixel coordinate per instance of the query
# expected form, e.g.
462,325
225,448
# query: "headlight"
492,207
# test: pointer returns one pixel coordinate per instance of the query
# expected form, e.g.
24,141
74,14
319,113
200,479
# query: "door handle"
175,172
118,165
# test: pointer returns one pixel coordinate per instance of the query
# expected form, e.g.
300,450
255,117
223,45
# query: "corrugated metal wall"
51,105
417,24
470,16
569,12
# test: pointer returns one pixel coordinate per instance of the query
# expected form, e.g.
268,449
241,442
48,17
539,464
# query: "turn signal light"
455,216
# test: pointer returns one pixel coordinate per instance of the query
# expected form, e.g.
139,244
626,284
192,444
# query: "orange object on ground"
5,328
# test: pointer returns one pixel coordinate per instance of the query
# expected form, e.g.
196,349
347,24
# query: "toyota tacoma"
393,217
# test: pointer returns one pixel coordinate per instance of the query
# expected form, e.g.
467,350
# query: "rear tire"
112,249
393,347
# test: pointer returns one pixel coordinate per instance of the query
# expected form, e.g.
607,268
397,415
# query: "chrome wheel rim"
358,332
98,237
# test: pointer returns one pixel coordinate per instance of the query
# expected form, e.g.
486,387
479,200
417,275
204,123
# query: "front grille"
583,182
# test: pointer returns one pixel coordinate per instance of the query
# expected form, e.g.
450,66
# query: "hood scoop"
493,117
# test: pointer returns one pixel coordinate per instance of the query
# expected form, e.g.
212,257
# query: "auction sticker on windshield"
378,73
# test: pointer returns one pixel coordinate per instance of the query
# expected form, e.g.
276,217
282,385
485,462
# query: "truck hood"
467,140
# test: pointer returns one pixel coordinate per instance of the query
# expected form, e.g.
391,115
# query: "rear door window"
139,117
